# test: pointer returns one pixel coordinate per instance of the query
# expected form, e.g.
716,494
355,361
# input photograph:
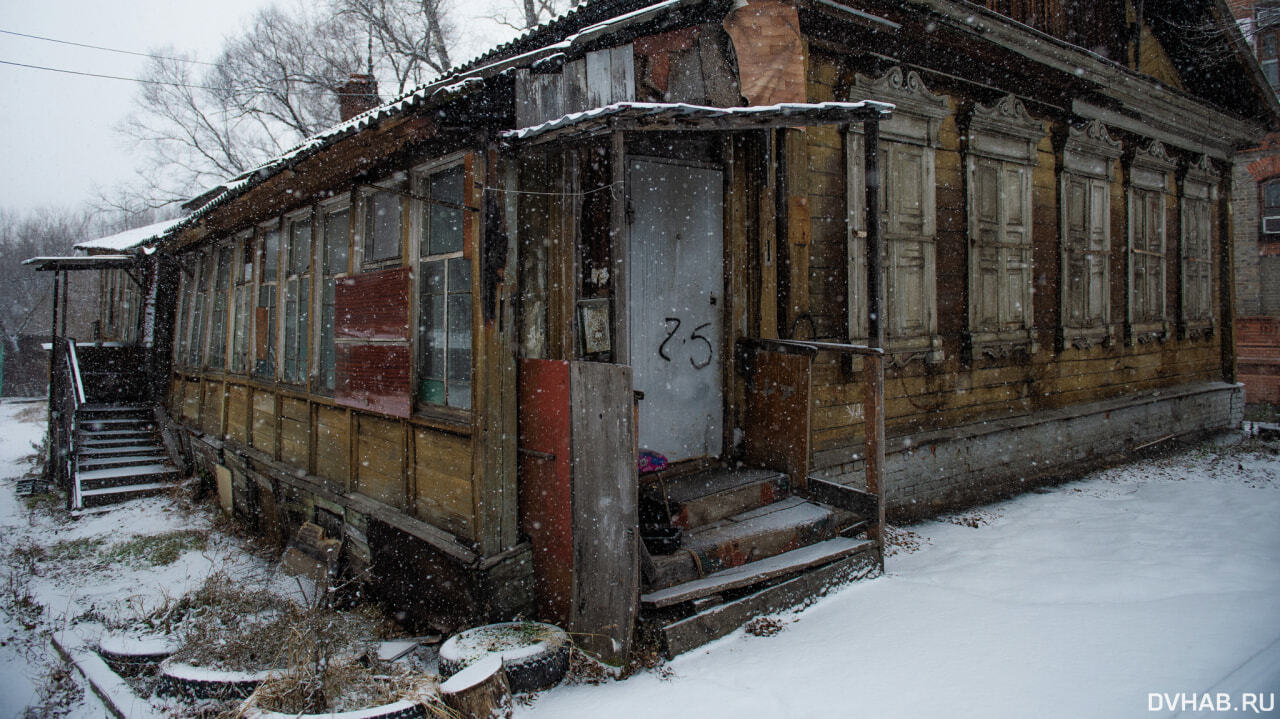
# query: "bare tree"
25,295
410,39
528,14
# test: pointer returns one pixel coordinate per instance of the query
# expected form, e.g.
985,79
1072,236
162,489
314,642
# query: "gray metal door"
674,305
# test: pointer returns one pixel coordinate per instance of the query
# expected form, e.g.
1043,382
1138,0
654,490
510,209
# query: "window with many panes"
1198,192
1002,152
241,299
297,286
184,309
1149,173
444,282
1088,161
909,215
195,341
218,321
335,238
264,319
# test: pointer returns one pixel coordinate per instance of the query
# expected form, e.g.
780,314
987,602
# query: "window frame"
1199,192
419,227
242,297
296,352
396,185
322,384
1004,136
1149,175
273,309
914,127
1089,157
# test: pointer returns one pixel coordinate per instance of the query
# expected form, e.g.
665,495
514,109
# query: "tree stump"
480,691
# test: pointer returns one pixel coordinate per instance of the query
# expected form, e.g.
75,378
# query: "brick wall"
1244,216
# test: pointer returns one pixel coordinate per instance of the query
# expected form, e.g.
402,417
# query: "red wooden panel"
546,494
373,305
374,377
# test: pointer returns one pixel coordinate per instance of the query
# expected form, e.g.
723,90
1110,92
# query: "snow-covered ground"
1085,600
1080,601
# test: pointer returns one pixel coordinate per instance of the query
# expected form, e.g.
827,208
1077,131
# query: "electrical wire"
104,48
107,77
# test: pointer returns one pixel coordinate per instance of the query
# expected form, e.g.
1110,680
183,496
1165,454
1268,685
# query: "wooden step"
748,537
155,456
792,562
113,435
111,495
706,497
110,411
94,479
92,444
690,632
118,449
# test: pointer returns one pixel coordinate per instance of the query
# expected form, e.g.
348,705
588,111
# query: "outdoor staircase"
118,455
727,545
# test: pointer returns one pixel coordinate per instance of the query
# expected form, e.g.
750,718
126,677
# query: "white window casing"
1089,159
908,142
1000,154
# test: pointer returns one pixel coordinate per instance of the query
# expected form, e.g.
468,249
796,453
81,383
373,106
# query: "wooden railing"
778,432
66,395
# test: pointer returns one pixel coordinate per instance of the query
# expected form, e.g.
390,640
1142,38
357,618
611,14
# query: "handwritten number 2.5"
695,335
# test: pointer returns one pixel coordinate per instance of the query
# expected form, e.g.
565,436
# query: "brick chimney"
357,94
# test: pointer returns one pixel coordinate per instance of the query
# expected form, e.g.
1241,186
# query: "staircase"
727,545
118,456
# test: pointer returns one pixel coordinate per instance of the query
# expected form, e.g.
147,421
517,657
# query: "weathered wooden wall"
961,390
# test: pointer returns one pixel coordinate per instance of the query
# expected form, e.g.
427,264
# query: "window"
218,323
264,320
336,241
195,342
296,299
240,305
1149,173
1267,55
1088,159
1002,142
1198,193
382,215
444,316
184,309
909,216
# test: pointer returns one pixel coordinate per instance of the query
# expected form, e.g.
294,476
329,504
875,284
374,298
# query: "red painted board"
374,377
546,490
373,305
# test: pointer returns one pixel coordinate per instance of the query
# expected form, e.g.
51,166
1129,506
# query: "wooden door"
675,305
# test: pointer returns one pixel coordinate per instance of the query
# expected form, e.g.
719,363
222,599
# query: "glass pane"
270,255
433,278
460,337
300,247
460,395
382,226
431,391
459,275
446,185
444,225
326,335
337,227
433,336
303,315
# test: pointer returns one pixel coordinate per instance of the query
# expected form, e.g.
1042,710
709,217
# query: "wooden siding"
295,428
333,446
442,481
212,408
238,413
960,389
263,434
380,448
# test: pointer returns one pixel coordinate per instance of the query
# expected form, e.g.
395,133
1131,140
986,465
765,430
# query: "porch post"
873,364
51,409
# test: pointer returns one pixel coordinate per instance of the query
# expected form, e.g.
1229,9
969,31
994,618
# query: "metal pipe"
875,275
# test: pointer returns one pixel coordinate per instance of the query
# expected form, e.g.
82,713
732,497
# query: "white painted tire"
532,664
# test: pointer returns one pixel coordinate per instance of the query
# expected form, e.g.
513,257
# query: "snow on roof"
801,113
130,239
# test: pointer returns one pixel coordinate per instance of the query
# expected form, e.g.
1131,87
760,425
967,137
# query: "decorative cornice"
1007,117
906,90
1092,138
1154,156
1202,170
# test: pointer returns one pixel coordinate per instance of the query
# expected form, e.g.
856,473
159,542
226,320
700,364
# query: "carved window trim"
1150,171
1001,137
912,132
1199,191
1089,158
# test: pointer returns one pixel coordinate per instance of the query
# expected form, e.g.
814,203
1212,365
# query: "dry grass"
346,686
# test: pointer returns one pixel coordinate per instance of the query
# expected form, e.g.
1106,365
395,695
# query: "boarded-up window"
336,238
372,357
909,215
1198,192
444,318
1087,161
1002,148
1149,174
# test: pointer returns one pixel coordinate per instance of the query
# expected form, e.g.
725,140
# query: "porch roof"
81,262
678,116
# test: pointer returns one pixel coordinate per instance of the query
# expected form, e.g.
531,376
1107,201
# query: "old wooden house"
611,281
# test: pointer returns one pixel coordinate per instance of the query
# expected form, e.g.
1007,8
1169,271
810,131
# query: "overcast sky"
57,132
